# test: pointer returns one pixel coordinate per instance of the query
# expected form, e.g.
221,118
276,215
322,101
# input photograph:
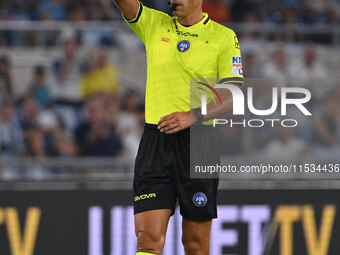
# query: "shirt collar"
202,22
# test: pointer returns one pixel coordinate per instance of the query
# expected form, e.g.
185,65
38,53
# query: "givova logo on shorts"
200,199
145,196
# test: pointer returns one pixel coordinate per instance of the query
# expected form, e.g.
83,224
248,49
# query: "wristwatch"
198,114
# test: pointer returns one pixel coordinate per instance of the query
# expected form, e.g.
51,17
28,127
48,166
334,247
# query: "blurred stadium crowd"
274,11
75,108
71,109
317,135
75,105
319,13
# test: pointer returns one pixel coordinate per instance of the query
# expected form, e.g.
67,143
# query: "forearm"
177,121
216,110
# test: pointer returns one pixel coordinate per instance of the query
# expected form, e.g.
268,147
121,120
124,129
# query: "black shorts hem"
199,219
153,209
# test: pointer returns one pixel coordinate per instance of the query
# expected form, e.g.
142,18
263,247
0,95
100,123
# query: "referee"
188,45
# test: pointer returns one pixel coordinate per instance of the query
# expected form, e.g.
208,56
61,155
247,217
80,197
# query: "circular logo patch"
200,199
183,46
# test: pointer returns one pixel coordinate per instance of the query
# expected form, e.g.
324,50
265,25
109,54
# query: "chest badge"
183,46
200,199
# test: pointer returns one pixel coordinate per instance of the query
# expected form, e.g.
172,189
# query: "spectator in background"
96,135
255,139
39,89
251,69
327,124
43,133
230,140
66,72
75,12
336,94
56,140
6,85
5,10
51,10
102,77
285,146
11,138
131,122
131,100
140,116
310,73
240,9
333,17
100,10
33,135
276,69
64,84
27,9
321,9
218,10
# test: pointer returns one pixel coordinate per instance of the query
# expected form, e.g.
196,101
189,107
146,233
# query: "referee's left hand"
174,122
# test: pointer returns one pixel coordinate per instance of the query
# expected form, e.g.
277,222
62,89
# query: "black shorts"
162,176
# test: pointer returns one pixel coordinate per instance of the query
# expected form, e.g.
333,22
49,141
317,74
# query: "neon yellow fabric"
104,79
144,253
172,62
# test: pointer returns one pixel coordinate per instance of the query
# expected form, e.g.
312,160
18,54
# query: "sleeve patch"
237,68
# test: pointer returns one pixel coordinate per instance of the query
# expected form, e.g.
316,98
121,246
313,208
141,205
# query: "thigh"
155,221
153,185
196,236
150,228
194,228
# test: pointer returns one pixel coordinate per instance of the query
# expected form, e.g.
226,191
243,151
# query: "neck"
191,19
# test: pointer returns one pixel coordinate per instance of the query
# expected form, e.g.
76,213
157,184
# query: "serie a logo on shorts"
183,46
200,199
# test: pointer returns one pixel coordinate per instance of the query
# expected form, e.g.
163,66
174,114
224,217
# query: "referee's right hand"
175,122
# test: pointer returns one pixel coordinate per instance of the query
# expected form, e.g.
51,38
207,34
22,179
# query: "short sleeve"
230,69
144,22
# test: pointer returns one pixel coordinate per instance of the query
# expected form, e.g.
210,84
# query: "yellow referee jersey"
176,53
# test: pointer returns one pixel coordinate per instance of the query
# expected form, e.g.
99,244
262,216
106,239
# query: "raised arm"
129,8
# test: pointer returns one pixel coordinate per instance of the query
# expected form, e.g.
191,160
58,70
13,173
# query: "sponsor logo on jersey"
237,68
145,196
200,199
164,39
183,46
186,34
